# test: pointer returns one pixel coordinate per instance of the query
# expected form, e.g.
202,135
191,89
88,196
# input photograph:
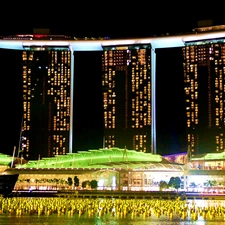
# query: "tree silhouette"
210,183
174,182
76,181
85,184
94,184
70,181
193,184
162,185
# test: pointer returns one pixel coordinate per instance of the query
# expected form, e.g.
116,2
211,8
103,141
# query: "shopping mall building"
120,169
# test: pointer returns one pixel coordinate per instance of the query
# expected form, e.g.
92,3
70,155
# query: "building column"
153,100
185,180
118,178
71,100
129,179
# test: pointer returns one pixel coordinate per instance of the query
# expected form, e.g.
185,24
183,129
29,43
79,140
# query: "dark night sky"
87,21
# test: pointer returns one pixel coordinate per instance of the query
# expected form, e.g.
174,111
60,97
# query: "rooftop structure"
21,41
102,158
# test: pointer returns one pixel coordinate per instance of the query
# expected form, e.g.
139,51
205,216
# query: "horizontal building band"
46,48
97,45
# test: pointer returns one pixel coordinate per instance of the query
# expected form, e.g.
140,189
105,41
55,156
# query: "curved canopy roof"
209,156
86,161
5,159
114,158
102,158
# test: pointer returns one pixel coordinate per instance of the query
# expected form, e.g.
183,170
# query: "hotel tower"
128,89
204,78
46,77
126,83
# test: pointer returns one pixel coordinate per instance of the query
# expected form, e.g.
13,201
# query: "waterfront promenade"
120,194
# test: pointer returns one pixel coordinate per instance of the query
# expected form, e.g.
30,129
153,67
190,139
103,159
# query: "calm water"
109,219
105,220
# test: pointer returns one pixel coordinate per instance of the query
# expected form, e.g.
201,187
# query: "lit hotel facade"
46,103
204,79
125,59
126,83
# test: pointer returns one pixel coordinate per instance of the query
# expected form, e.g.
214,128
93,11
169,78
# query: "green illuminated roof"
102,158
5,159
209,156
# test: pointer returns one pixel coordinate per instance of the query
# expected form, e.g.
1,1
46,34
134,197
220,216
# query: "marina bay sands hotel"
128,90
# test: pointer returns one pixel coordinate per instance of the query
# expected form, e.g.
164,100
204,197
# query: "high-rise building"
129,90
126,82
204,78
46,78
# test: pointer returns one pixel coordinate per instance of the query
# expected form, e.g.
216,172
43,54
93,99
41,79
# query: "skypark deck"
97,45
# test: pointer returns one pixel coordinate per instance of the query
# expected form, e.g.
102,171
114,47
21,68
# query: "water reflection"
109,219
105,220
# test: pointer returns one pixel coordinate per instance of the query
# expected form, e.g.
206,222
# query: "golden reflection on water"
207,203
109,219
104,220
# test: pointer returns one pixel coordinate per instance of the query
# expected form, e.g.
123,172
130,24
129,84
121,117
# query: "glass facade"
204,72
46,103
126,83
